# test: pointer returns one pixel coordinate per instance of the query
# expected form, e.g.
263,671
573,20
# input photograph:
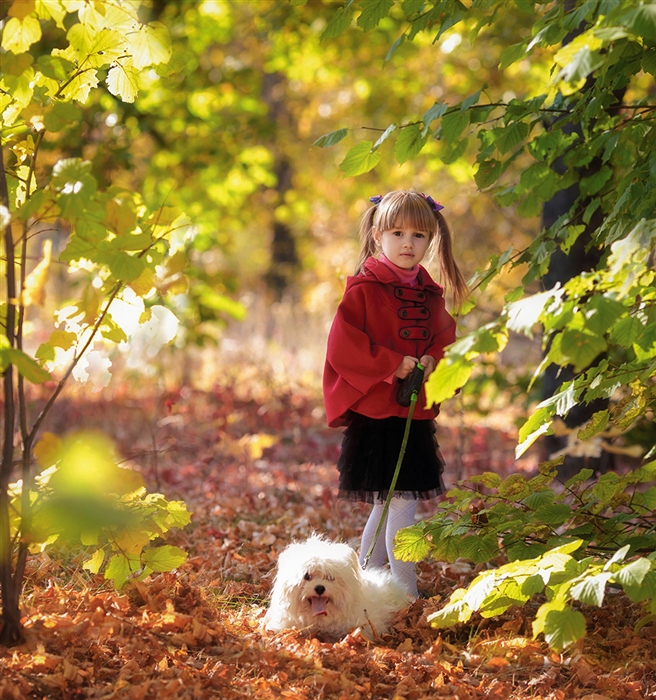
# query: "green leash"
397,470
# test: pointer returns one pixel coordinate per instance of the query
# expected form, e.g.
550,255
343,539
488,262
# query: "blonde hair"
412,209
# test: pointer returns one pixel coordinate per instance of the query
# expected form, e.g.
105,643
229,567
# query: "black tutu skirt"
370,451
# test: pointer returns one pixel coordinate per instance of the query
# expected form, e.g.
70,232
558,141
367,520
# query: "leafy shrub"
84,498
569,543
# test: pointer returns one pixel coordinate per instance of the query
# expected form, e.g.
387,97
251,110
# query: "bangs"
405,209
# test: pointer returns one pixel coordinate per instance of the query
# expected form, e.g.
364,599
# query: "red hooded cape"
378,322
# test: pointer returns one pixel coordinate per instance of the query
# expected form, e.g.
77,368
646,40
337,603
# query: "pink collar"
408,277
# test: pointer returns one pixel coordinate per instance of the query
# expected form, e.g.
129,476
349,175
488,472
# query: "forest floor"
257,471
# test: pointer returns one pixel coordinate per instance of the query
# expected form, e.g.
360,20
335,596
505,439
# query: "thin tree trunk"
11,632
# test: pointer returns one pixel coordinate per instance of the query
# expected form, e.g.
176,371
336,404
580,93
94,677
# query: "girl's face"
402,245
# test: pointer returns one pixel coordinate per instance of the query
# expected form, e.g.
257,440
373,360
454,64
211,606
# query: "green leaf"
642,20
78,248
618,556
512,54
513,487
26,366
55,67
533,585
60,116
435,112
385,135
511,136
410,7
601,313
580,349
165,558
643,591
331,139
372,12
480,589
410,141
480,549
360,159
120,568
553,514
538,424
490,480
525,313
448,377
489,171
392,50
453,124
561,627
338,23
411,544
591,589
592,184
450,615
539,498
221,303
584,62
633,574
125,267
626,331
595,425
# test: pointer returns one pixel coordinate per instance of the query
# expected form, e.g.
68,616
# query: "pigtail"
449,271
367,242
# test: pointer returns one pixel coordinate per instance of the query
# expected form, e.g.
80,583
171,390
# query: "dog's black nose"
319,590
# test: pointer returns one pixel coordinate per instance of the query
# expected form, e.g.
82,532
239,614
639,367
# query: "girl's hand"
429,364
407,365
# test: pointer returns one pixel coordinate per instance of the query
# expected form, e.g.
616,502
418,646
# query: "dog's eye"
307,577
329,577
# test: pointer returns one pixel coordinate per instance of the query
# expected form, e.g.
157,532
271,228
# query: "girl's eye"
397,233
420,235
307,577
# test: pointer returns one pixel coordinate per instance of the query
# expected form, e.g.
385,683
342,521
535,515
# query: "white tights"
401,514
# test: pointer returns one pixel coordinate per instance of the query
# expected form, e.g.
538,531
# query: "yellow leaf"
34,291
121,213
62,339
47,449
21,8
122,81
132,541
33,114
47,9
150,44
19,35
95,562
79,88
143,284
256,444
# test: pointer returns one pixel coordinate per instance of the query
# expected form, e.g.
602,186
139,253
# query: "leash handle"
390,493
412,383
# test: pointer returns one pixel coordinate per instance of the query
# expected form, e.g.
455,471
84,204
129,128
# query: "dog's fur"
321,586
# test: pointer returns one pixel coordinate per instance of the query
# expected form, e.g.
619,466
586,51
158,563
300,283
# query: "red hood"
376,271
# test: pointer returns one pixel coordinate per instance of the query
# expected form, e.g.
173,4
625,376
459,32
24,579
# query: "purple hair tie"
435,206
375,200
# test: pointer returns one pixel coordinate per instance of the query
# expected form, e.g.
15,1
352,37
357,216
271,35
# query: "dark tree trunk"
582,257
284,261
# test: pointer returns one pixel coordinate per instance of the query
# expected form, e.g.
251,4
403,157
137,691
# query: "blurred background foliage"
225,133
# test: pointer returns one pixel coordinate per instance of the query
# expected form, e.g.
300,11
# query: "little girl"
392,316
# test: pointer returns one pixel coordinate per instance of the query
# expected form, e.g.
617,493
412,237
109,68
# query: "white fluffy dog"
320,585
